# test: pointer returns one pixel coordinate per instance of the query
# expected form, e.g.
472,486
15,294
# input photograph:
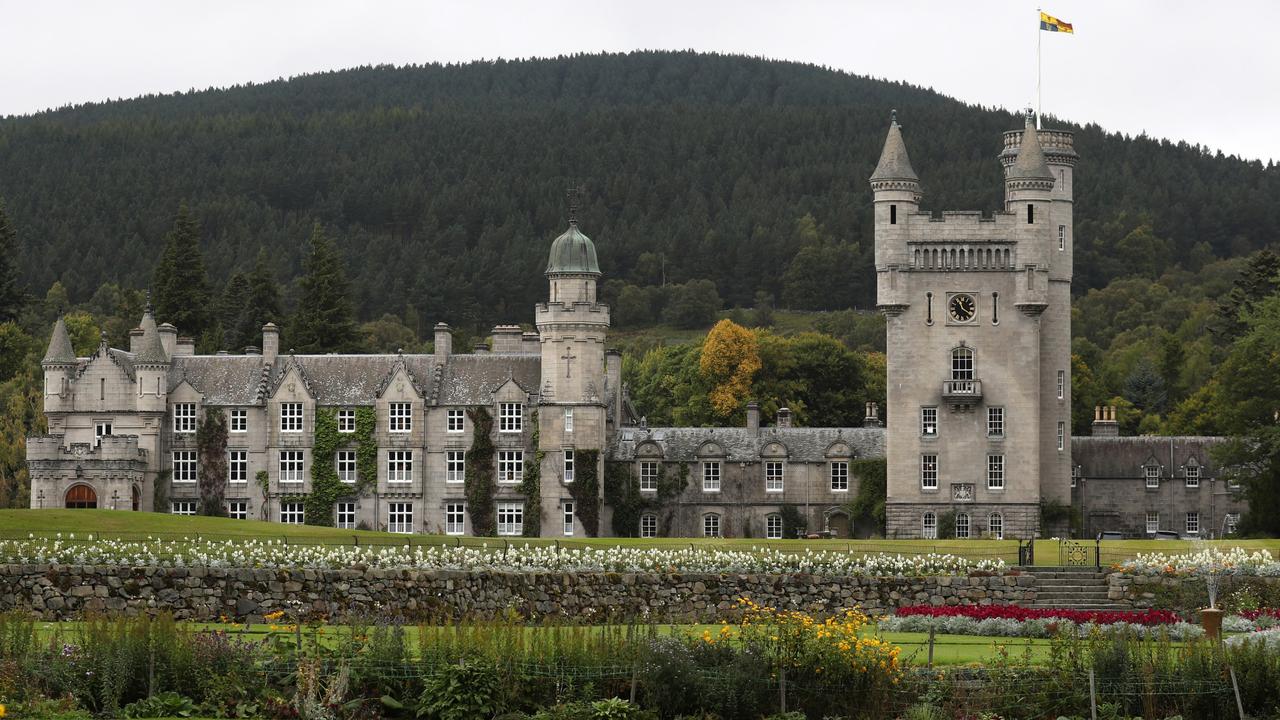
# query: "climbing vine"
868,504
211,444
264,484
366,449
478,477
585,490
325,485
531,484
622,493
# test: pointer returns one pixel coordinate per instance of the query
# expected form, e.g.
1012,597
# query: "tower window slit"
928,308
995,308
893,214
1031,213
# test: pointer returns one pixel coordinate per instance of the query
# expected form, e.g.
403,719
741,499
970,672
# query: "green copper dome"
573,252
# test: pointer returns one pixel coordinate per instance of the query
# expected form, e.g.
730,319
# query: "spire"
572,195
894,163
60,350
1030,164
150,349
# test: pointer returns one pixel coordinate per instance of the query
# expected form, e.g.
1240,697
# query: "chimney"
444,341
135,340
613,383
873,416
784,417
168,338
252,350
506,339
480,349
1104,422
753,417
530,343
186,347
270,343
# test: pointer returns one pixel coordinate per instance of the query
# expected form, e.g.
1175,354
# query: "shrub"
161,705
460,692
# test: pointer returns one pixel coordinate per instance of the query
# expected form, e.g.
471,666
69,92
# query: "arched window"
711,525
81,497
962,525
773,527
648,525
962,364
995,526
929,526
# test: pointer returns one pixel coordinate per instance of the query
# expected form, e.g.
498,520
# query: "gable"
292,388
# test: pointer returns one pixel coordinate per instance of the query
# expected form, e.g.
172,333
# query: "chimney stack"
784,417
252,350
873,416
168,338
506,339
186,347
444,342
753,417
1104,422
530,343
135,340
270,343
613,383
480,349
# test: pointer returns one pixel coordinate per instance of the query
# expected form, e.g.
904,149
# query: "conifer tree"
262,302
11,293
180,289
231,307
324,320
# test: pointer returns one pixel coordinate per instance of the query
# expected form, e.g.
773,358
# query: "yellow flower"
2,710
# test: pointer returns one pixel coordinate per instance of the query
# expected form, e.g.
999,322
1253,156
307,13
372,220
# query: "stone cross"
568,357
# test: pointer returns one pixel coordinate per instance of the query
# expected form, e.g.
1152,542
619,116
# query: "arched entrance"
137,499
838,524
81,497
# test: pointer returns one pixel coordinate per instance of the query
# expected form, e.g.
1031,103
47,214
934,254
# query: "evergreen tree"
1260,279
324,320
12,297
180,289
262,302
1145,388
231,307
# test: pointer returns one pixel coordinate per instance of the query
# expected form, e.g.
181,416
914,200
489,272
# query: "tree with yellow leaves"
730,360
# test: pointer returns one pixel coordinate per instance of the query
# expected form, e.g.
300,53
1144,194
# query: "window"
929,526
100,430
184,466
454,420
568,420
995,308
568,466
773,527
344,516
510,417
648,477
184,418
711,525
928,320
1193,476
773,476
1152,473
840,476
510,518
183,507
1062,435
400,517
455,466
928,421
995,526
1231,522
1193,523
1075,475
510,466
1062,237
399,466
290,466
238,466
292,513
1233,482
291,417
237,509
568,519
893,214
399,417
711,476
1153,522
995,422
995,472
1062,384
929,472
962,526
648,525
239,421
346,463
346,421
1031,214
962,364
455,519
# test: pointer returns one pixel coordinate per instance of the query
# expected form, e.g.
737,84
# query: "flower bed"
1014,612
1231,562
272,554
1042,627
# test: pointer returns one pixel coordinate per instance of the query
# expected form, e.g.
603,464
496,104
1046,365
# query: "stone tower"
979,344
572,415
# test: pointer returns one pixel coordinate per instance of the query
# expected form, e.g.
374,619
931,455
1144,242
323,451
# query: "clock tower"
978,323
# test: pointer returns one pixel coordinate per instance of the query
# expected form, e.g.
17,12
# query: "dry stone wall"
198,593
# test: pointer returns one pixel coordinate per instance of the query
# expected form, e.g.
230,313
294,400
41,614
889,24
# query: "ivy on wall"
868,504
531,485
478,475
622,493
585,490
211,446
366,449
160,492
264,485
325,485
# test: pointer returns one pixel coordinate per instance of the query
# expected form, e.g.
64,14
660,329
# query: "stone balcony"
962,392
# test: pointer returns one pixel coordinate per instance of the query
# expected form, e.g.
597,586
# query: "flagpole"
1039,100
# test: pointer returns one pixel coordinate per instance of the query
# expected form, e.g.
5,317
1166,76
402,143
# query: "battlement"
1059,146
950,255
110,447
995,225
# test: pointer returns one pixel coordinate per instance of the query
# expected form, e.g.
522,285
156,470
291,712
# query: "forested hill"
445,184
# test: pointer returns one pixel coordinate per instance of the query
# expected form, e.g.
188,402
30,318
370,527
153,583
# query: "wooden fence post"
1235,686
1093,698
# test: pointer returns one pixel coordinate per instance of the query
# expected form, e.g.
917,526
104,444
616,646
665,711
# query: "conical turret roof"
60,350
894,163
150,349
1030,164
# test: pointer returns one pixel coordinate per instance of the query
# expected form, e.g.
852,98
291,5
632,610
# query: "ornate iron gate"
1078,553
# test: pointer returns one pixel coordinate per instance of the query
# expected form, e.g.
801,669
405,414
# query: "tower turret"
894,183
151,364
59,366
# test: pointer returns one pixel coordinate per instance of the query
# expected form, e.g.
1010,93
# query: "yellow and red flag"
1053,24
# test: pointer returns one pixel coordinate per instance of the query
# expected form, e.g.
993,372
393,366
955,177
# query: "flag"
1053,24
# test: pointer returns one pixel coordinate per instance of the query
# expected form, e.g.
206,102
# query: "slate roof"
1030,163
60,350
221,379
894,163
1124,457
742,445
471,379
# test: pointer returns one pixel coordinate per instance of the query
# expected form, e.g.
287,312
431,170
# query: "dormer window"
400,417
184,418
291,417
510,417
1193,476
1152,475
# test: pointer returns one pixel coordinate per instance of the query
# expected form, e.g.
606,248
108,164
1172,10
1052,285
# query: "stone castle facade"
979,407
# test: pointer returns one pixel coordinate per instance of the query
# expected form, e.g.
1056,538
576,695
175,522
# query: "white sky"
1205,72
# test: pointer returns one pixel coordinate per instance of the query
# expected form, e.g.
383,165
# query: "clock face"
962,308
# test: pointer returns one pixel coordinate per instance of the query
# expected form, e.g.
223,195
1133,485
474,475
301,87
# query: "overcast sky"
1205,72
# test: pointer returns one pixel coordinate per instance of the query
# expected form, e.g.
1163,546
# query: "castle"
978,438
